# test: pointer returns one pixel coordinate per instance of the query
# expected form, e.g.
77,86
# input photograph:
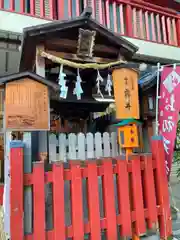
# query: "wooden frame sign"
27,106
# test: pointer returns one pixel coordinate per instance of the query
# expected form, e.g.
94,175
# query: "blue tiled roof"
148,80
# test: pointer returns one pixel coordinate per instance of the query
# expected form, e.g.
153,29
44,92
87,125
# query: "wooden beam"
72,44
74,57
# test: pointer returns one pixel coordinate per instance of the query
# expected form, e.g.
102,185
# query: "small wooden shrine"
71,62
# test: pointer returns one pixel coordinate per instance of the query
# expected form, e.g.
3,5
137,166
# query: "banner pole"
157,99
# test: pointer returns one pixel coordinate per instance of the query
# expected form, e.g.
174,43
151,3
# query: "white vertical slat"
28,209
72,142
174,31
147,25
114,5
46,8
52,148
81,147
106,144
164,29
158,28
62,147
153,26
98,145
121,10
90,145
6,195
135,22
169,32
114,145
140,21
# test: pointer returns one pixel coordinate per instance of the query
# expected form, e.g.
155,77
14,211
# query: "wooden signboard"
26,106
126,95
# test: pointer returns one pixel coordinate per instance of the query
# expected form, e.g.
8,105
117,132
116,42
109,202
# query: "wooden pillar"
28,208
43,143
41,136
6,195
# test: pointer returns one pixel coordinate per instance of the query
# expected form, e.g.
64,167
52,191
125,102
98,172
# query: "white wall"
15,22
150,49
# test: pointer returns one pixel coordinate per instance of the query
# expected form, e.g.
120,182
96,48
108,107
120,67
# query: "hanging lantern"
125,82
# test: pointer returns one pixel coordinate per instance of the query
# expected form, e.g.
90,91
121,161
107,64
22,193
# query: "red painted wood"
174,32
93,5
32,7
109,200
58,202
1,4
77,8
114,16
22,6
164,29
169,32
1,193
76,202
61,9
121,9
69,8
85,3
134,21
12,5
107,13
147,25
100,12
129,20
42,9
39,201
178,31
149,190
93,201
162,189
158,28
123,198
16,193
52,9
141,22
137,196
153,27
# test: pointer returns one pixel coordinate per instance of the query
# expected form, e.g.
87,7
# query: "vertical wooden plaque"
126,95
27,106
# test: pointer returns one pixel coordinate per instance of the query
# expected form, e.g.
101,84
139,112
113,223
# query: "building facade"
153,26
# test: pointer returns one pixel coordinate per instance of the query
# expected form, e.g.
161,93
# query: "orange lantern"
125,82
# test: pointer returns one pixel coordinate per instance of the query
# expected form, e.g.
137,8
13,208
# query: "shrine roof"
46,34
31,75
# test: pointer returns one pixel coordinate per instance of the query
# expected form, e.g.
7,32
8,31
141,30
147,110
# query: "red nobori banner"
169,105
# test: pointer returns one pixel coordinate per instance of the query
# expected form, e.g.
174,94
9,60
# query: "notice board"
26,106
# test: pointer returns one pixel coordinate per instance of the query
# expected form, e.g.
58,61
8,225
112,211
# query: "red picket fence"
140,185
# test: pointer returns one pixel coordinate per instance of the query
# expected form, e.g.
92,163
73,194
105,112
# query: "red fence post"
16,190
1,193
137,194
109,200
129,21
178,31
39,201
161,182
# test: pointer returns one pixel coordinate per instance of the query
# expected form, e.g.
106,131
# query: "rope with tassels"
69,63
